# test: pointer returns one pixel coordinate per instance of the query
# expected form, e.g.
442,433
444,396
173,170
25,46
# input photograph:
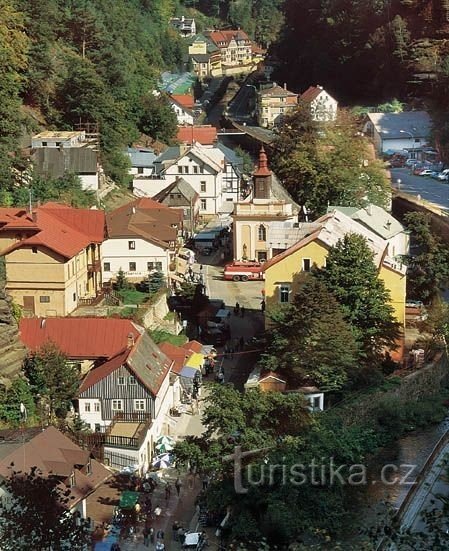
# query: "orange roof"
262,168
205,135
186,100
311,93
177,354
79,338
194,346
62,229
220,37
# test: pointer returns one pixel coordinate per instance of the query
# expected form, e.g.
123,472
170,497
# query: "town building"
310,248
185,26
235,47
215,173
79,474
52,257
142,237
407,131
56,154
205,57
323,107
202,134
85,342
182,105
267,205
142,160
126,401
272,104
181,195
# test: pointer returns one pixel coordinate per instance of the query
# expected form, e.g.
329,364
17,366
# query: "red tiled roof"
311,93
186,100
60,228
205,135
226,36
79,338
194,346
178,354
262,167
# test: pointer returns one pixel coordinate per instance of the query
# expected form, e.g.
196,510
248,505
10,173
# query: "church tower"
262,178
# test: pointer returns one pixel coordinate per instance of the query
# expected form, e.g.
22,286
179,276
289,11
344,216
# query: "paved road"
429,189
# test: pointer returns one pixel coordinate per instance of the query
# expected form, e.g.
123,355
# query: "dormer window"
89,467
72,479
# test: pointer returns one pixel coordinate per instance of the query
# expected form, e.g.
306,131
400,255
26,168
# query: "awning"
196,361
222,313
188,372
128,499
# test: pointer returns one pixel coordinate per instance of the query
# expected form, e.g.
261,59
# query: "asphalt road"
429,189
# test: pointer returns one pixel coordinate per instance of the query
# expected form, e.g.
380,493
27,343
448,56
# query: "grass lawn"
159,335
132,296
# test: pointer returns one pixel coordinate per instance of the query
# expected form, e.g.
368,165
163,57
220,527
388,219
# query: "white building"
183,113
184,25
142,237
142,160
213,172
323,106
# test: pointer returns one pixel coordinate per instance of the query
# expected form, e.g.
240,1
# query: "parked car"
417,170
214,336
411,162
444,175
426,172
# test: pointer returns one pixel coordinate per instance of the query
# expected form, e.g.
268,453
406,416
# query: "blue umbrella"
162,461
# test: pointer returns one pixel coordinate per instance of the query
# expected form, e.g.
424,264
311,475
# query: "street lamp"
412,136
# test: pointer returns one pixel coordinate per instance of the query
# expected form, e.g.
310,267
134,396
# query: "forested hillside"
367,50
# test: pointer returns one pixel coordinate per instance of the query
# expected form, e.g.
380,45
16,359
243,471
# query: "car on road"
411,162
426,172
214,336
443,176
417,170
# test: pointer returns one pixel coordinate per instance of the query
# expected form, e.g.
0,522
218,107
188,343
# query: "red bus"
243,271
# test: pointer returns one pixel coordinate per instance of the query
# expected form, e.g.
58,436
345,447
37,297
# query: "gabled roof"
180,105
311,93
205,135
389,125
210,156
147,219
186,100
144,359
178,186
55,454
62,229
277,92
375,218
141,157
177,354
79,338
220,37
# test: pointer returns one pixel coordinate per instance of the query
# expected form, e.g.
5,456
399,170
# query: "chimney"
133,210
42,324
285,86
130,341
182,18
34,216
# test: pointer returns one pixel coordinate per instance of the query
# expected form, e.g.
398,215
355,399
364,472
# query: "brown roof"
57,227
147,219
55,454
145,360
311,93
185,100
262,167
205,135
194,346
177,354
218,37
79,338
277,91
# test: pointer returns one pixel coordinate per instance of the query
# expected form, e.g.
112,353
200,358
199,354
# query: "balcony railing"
94,266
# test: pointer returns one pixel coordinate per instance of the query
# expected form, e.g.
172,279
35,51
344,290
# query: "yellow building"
282,272
52,257
273,104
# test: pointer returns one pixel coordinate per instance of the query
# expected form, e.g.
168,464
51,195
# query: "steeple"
262,177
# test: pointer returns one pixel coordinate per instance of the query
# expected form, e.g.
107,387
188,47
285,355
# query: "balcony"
94,266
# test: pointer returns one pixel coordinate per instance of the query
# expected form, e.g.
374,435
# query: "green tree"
39,516
18,393
120,281
351,276
158,119
428,269
310,340
156,281
52,378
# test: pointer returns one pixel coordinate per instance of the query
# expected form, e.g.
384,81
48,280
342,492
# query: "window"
74,297
195,170
34,249
58,144
154,266
132,380
186,169
139,405
306,264
87,407
97,427
44,144
132,266
179,169
203,187
96,407
284,293
140,170
117,405
72,480
131,245
203,204
121,381
44,298
106,267
201,169
88,467
262,233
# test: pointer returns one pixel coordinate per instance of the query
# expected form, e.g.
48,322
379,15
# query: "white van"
443,175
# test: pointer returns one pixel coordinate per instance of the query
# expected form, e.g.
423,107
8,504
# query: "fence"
118,460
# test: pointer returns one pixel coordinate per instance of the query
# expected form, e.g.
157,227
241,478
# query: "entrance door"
28,304
261,256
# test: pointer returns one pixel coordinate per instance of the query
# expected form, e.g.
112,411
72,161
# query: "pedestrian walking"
175,528
160,534
167,491
242,311
151,535
178,485
201,267
181,535
220,377
146,537
262,306
205,482
236,308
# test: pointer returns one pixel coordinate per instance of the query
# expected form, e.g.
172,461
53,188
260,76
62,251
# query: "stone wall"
12,352
153,316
